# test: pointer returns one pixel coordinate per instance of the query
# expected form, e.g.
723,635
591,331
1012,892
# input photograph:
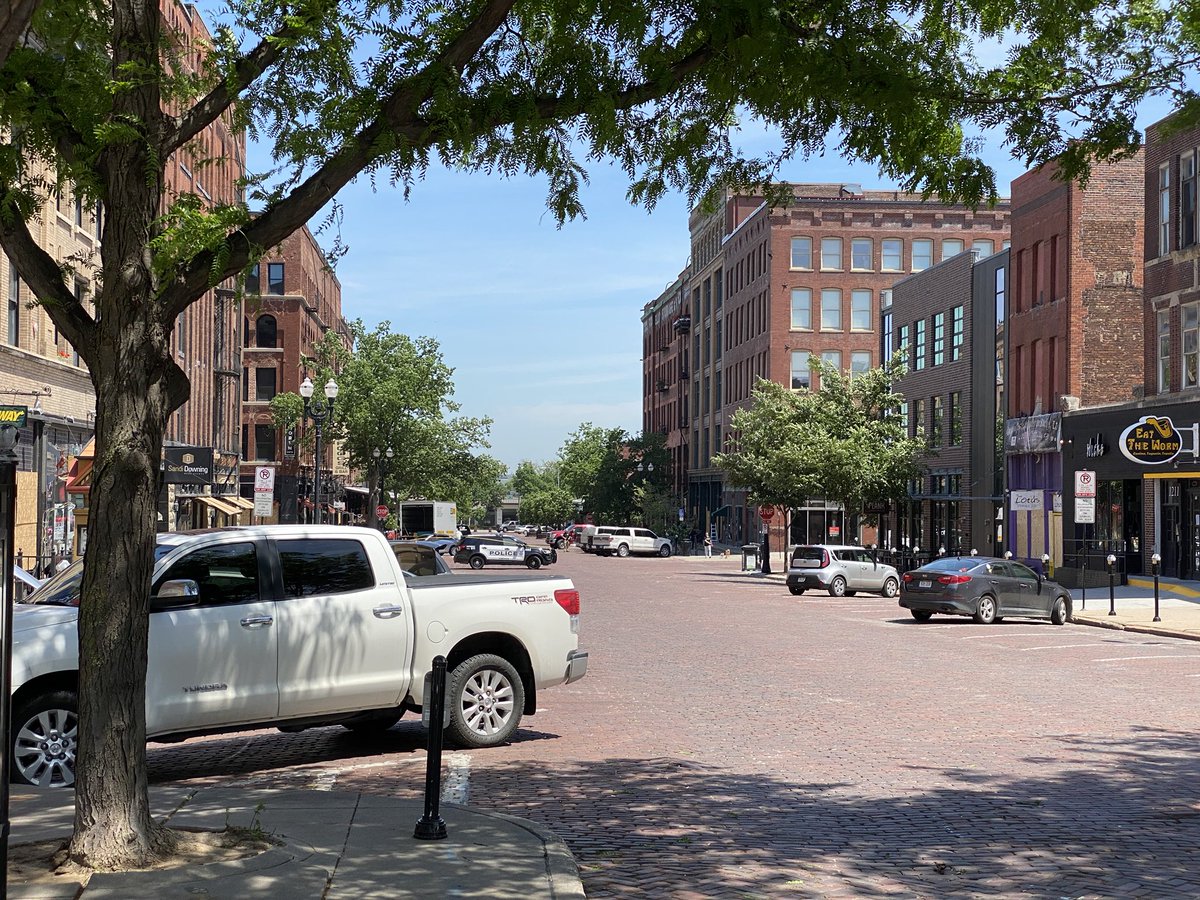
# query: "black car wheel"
985,611
837,587
921,615
891,587
534,562
477,562
664,551
796,591
1058,615
486,699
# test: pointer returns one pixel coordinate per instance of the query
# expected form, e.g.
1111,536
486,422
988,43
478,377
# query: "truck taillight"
569,601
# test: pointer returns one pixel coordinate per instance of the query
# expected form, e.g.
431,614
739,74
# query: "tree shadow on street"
1123,820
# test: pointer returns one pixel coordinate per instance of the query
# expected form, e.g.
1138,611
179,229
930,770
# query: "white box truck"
435,516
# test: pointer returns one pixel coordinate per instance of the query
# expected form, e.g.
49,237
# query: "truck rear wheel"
486,700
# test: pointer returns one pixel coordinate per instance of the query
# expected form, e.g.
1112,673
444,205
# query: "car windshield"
63,588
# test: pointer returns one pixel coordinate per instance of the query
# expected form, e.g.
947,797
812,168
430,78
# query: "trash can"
685,547
749,557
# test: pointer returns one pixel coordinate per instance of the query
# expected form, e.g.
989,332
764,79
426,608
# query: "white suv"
628,540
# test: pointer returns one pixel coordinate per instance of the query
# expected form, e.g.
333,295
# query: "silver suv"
841,570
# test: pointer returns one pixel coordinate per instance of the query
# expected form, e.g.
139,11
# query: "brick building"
810,279
666,326
949,320
292,299
1075,328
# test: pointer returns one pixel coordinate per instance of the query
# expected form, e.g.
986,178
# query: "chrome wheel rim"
487,702
839,587
890,588
987,609
44,750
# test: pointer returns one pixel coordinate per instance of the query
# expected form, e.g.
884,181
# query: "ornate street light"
380,457
319,414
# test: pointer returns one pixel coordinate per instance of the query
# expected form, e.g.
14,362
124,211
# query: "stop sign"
381,510
767,513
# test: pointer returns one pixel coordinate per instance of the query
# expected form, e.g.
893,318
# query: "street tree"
548,506
474,482
614,494
846,441
105,93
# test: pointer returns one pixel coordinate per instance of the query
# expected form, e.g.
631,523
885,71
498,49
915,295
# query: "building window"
801,253
254,280
832,358
957,336
245,386
860,310
99,220
955,419
939,338
801,370
14,305
1000,299
903,346
919,344
718,285
718,400
275,278
707,297
266,332
1164,350
1164,210
831,253
720,332
860,363
985,248
705,395
801,309
885,322
831,309
1187,199
893,255
904,415
935,424
78,210
1188,316
707,345
264,442
861,251
951,247
922,255
918,418
264,384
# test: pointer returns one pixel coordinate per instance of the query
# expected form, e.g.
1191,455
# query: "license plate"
924,584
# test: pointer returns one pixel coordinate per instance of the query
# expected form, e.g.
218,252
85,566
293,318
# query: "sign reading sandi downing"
1151,440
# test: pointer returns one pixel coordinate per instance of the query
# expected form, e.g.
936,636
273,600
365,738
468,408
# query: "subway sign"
14,416
1151,441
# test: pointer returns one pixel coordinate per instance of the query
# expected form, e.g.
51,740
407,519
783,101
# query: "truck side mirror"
179,593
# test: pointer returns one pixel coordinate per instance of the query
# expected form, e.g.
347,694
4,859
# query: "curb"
562,872
1137,628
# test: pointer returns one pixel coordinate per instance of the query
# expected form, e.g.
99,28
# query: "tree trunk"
113,828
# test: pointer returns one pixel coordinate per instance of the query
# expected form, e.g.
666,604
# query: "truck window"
227,574
313,567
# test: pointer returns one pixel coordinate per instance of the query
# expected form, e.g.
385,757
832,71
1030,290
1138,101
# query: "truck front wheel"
486,698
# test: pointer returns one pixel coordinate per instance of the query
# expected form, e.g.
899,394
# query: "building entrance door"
1172,537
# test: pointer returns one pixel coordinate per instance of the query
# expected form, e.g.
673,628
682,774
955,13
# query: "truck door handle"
257,621
387,612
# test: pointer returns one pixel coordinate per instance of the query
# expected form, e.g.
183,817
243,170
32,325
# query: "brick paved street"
731,740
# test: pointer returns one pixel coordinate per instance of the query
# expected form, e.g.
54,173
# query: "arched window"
245,331
265,331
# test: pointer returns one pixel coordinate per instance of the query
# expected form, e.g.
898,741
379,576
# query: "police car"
479,551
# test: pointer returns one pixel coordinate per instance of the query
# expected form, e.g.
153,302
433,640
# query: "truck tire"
476,561
45,734
664,551
534,562
623,551
486,699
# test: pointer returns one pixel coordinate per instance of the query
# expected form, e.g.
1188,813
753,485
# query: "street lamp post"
380,458
649,469
318,413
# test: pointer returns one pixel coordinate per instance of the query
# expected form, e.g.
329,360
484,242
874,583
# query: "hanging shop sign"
1151,441
188,465
1027,501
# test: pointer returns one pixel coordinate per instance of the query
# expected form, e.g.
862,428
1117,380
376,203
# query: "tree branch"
44,277
15,17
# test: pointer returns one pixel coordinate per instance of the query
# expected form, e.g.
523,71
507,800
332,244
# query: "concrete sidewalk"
1178,607
335,845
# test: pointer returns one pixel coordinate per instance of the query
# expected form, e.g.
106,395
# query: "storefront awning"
357,490
219,505
240,502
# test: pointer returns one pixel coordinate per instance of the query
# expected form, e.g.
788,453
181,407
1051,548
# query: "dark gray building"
950,318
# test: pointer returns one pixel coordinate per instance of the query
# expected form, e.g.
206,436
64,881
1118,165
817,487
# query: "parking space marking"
1058,646
456,788
1192,656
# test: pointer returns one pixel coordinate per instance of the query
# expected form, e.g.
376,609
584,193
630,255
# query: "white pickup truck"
298,626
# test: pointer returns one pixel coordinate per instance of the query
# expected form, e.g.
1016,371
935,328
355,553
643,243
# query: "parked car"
985,588
627,541
441,543
419,558
840,569
478,551
298,627
588,535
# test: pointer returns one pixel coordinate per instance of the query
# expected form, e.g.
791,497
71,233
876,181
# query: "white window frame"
1164,209
1189,344
985,247
925,245
858,247
891,247
828,309
801,309
860,310
831,254
1163,317
947,243
801,365
802,246
832,358
860,362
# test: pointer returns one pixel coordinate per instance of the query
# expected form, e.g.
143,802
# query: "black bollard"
1112,600
1083,578
1154,561
9,437
430,826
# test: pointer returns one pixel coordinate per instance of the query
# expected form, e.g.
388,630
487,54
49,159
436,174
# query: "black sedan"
985,588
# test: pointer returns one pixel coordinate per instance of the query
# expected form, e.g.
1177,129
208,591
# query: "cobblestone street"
731,740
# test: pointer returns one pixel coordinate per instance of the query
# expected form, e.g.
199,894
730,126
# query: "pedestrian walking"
708,545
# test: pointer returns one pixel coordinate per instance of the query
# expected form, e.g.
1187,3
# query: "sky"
541,324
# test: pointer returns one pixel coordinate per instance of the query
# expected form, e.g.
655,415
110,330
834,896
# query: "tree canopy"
104,94
846,442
